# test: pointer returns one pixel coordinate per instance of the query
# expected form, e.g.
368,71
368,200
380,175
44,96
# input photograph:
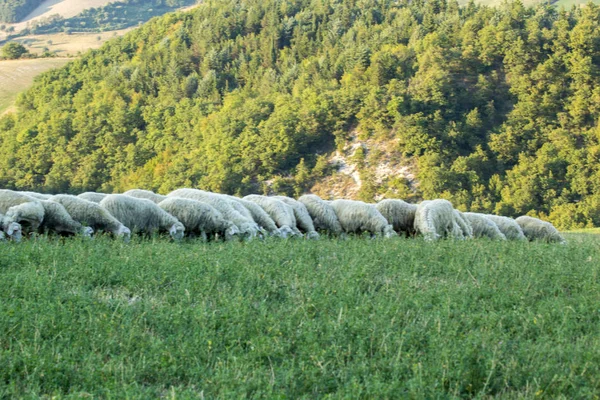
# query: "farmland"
18,75
354,318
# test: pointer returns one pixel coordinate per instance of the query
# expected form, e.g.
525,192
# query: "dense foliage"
299,319
15,10
13,50
496,109
113,16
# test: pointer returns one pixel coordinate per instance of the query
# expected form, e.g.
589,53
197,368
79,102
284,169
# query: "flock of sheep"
210,215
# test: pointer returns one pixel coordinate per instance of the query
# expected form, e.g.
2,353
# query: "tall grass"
300,319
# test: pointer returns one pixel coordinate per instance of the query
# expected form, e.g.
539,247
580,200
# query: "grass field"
62,44
297,319
16,76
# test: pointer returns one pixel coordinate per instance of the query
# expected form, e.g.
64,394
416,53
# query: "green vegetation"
13,50
495,109
15,10
300,319
17,76
113,16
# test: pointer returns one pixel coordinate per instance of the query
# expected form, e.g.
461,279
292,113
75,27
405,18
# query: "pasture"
64,45
17,76
300,319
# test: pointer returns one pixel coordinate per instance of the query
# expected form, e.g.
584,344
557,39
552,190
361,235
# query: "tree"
13,50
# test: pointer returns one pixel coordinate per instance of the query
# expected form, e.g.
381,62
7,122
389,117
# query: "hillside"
16,10
495,109
18,75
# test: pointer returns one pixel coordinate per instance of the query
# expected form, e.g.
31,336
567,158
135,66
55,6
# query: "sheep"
22,209
57,219
466,230
435,219
145,194
248,228
303,220
90,213
38,196
322,214
536,229
199,218
483,226
281,213
142,215
400,214
508,226
261,217
359,217
12,229
92,196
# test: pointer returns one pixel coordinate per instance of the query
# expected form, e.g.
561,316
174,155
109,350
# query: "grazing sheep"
142,215
466,230
359,217
322,214
484,227
281,213
92,196
92,214
145,194
400,214
435,219
38,196
261,217
508,226
22,209
303,220
248,228
11,229
199,218
536,229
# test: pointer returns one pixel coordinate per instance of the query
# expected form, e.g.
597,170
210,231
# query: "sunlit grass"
299,319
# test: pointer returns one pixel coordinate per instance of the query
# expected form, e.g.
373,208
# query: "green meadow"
358,318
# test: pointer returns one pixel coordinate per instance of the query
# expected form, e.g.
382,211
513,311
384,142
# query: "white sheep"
261,217
322,214
145,194
248,228
39,214
11,228
464,225
400,214
92,196
303,220
281,213
142,215
483,226
89,213
536,229
508,226
199,218
435,219
359,217
37,195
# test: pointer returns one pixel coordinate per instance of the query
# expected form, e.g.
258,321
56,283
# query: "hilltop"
492,108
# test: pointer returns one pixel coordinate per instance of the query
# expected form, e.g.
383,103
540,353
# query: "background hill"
495,109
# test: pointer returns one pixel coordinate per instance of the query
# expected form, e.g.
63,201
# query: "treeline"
16,10
496,109
113,16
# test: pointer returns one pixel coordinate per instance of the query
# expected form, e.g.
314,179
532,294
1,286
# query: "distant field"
63,44
64,8
18,75
292,319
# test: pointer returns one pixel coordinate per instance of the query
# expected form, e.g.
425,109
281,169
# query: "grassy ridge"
300,319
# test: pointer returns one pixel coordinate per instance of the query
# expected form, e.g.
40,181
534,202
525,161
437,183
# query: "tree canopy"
496,109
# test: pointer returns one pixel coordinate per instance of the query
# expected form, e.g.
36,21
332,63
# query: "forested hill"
15,10
494,109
